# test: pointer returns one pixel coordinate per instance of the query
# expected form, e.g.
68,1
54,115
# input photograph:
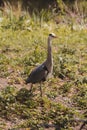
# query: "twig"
82,126
84,121
80,120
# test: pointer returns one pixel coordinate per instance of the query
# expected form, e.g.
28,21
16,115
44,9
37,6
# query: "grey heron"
40,73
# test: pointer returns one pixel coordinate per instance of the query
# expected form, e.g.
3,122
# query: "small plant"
22,47
81,97
66,88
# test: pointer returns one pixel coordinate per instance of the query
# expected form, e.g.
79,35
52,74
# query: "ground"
6,124
64,101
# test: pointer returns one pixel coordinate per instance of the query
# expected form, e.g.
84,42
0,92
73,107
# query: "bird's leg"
41,99
40,89
31,86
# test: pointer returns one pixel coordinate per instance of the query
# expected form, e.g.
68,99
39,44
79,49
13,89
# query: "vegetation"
23,44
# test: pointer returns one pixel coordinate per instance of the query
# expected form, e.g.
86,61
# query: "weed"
23,45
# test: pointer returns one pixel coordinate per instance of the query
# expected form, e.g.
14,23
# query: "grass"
23,46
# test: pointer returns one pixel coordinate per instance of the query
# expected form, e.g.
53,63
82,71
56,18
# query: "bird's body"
38,74
41,73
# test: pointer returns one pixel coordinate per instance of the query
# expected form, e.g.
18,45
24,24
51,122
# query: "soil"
6,124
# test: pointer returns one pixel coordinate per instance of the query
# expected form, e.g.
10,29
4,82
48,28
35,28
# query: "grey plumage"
41,73
38,74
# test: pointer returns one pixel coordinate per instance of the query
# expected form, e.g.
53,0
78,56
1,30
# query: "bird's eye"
50,34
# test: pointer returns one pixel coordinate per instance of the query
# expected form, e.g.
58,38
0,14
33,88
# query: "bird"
43,71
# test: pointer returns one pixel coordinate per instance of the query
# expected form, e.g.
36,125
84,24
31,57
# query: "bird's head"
52,35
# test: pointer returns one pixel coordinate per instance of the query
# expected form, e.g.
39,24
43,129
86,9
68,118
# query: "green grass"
22,47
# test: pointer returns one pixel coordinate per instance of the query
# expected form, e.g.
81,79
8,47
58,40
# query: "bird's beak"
55,36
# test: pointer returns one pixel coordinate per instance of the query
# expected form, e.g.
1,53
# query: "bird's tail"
27,81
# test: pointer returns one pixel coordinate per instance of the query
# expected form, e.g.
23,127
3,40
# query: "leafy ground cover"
23,46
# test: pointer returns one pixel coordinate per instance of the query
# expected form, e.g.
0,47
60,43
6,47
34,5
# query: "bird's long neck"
49,51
